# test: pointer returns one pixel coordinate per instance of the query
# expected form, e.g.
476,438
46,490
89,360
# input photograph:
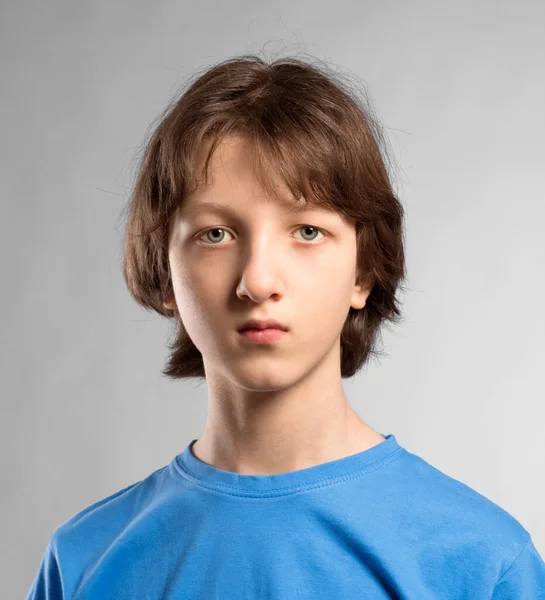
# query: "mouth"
262,324
263,336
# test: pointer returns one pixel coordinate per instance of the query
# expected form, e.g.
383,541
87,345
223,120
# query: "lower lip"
263,336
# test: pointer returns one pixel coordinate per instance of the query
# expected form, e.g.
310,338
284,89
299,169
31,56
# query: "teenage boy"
264,224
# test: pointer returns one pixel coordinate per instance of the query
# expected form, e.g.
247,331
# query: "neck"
269,442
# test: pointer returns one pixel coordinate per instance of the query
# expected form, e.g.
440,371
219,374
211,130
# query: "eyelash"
225,229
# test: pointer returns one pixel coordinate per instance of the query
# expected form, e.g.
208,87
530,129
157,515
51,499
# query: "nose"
261,274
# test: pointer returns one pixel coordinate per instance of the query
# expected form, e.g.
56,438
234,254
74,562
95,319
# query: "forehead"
236,160
232,164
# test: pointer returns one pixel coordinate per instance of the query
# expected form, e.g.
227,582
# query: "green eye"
310,227
213,229
222,229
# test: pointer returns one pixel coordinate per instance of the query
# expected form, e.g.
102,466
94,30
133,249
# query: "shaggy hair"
305,126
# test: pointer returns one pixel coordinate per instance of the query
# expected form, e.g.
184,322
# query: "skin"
280,407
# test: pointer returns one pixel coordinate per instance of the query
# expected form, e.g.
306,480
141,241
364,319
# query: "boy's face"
266,264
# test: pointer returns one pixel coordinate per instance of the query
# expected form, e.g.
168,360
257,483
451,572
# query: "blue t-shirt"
380,524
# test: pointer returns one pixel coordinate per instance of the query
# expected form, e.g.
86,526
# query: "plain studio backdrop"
459,88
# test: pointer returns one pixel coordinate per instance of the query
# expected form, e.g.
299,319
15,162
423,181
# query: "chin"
261,377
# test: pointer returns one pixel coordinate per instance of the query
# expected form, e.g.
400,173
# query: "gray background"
460,89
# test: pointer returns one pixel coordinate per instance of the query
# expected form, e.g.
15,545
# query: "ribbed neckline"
201,473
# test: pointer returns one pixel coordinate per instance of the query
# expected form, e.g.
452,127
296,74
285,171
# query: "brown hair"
323,142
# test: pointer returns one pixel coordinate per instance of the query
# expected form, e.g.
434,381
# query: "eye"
210,230
221,229
307,227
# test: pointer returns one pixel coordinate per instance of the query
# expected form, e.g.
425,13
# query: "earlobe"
170,301
359,303
359,298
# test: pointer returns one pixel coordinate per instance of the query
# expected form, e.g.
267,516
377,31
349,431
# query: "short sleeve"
524,579
48,582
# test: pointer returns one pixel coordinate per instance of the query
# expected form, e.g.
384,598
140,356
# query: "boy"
263,222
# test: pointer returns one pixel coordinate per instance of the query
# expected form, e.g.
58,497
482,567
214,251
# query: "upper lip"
262,324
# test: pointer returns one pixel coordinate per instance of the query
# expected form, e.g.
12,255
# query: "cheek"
208,283
325,300
199,292
195,301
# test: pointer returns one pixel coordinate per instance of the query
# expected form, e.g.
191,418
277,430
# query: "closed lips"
265,324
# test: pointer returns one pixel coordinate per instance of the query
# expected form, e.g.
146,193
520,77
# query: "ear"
170,301
359,296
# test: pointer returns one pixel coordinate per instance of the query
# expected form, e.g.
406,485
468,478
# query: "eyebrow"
209,207
216,207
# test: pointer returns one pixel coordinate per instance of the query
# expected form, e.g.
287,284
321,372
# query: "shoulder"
456,502
78,545
92,528
463,520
